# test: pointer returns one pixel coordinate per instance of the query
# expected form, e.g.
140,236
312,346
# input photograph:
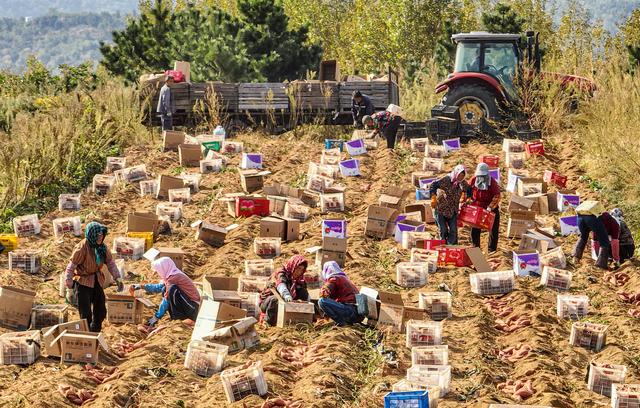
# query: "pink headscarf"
456,172
165,268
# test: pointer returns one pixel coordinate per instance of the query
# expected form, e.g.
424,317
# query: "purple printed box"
350,168
495,174
407,225
526,263
451,145
334,228
569,225
251,161
422,194
425,183
566,201
356,147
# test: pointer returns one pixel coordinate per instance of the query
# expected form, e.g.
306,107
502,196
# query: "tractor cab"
485,68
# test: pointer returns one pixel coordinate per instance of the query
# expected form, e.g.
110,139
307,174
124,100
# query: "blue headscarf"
91,233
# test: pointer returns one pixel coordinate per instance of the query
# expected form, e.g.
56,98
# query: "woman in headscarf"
85,273
484,192
290,284
592,218
447,203
338,296
180,295
627,244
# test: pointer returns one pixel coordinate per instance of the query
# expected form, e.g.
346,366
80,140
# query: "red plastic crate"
491,160
476,217
246,207
535,148
555,178
432,244
453,255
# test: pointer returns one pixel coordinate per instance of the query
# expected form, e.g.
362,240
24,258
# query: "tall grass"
417,95
60,146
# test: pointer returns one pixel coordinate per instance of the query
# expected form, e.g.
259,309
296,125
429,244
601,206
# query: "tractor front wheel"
475,102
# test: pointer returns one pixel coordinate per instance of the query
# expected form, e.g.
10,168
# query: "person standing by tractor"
383,123
164,108
484,192
445,206
361,106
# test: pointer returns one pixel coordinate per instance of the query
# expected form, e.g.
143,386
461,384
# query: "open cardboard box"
380,221
274,226
176,254
80,346
211,315
212,234
211,283
393,197
15,307
50,343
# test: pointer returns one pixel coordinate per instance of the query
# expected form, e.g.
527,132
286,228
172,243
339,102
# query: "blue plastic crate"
333,143
422,194
407,399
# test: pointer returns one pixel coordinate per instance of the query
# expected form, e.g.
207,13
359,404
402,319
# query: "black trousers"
391,131
270,305
493,236
180,306
626,252
91,305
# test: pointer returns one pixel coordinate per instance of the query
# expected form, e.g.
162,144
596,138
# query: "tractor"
486,65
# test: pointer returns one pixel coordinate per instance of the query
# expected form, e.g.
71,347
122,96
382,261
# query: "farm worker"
384,123
290,284
360,106
164,104
84,274
627,244
180,296
484,192
592,218
446,204
338,296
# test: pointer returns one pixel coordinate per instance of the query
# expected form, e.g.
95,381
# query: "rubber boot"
579,249
603,258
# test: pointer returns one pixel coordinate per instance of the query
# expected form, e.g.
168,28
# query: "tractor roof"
485,36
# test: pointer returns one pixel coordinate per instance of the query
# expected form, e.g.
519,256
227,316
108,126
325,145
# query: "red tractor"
485,68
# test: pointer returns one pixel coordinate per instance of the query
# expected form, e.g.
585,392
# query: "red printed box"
246,207
432,244
453,255
555,178
491,160
535,148
476,217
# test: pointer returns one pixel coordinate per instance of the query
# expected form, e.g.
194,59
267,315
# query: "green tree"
503,19
631,33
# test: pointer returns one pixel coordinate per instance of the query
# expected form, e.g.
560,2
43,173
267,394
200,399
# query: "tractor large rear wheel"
475,102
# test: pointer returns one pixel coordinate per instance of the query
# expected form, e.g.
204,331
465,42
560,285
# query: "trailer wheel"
475,102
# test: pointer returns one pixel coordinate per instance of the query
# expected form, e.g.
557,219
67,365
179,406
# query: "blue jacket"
164,101
358,110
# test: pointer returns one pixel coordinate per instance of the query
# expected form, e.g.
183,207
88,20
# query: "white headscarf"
455,173
331,269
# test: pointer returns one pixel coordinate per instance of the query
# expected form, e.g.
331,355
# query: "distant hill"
55,39
611,12
36,8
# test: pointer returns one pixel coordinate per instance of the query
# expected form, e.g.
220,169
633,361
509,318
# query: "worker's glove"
489,208
288,298
69,283
434,202
152,321
120,285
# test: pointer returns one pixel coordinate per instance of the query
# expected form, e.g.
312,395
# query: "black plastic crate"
445,111
448,126
432,126
414,129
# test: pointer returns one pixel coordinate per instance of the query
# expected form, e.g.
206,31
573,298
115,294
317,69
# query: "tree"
502,19
631,32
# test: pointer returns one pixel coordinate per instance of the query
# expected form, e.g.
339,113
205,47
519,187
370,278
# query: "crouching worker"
627,244
180,295
592,218
338,296
290,284
385,124
84,274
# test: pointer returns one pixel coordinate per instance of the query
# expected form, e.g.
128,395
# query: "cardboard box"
425,210
292,313
526,263
189,155
334,228
332,249
490,160
15,307
238,334
251,161
391,311
552,177
252,180
519,203
211,283
407,225
380,221
211,315
80,346
50,342
125,308
310,198
567,199
529,186
166,183
350,168
171,139
569,225
355,147
212,234
393,197
451,145
288,229
176,254
228,297
537,240
416,176
246,206
478,260
519,222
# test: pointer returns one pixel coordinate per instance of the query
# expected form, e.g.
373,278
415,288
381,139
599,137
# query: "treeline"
55,39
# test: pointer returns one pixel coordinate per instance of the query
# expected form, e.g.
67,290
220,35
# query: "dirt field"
353,373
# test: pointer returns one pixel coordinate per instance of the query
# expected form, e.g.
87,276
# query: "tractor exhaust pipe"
538,58
530,57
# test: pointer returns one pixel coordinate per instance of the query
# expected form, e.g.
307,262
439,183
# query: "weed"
299,181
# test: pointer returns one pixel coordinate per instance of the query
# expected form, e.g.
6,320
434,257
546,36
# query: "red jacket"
611,225
340,289
482,198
